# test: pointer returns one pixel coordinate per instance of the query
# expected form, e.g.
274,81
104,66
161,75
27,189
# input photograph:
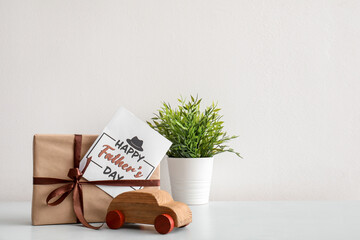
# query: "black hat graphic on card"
135,143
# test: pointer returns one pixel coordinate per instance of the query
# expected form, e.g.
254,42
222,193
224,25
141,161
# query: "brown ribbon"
74,185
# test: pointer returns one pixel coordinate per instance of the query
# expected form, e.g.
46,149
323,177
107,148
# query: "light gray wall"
286,74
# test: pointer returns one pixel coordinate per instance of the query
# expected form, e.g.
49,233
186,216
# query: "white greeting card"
126,149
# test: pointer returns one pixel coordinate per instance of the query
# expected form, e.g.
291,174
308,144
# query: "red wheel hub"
164,223
115,219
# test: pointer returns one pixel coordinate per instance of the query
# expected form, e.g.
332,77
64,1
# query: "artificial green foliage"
194,133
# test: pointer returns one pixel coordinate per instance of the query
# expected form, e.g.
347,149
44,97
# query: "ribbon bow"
75,185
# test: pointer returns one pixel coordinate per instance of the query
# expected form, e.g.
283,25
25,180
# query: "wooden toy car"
148,206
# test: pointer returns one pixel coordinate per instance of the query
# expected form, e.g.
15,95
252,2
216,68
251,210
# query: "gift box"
54,156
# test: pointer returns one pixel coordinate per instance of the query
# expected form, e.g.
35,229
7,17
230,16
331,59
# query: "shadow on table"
142,227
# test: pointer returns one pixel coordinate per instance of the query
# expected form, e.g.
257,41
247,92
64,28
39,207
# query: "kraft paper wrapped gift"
53,157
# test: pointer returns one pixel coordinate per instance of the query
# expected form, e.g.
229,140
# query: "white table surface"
217,220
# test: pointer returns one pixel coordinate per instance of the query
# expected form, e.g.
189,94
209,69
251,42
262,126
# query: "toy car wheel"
164,223
115,219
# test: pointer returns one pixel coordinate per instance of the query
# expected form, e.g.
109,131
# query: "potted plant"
196,136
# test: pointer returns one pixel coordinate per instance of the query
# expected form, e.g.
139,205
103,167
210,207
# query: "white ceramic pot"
190,179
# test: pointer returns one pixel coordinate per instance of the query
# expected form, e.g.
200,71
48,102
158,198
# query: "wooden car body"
143,206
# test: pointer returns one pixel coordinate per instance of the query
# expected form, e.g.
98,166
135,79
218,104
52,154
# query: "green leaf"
194,133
